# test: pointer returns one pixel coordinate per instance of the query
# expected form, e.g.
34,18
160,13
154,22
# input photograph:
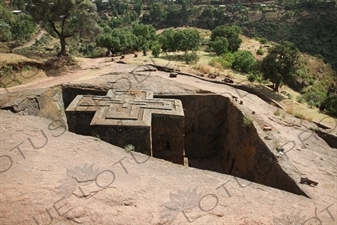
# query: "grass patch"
277,112
299,116
247,122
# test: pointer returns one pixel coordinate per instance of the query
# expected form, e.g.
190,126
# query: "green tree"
208,15
100,5
186,7
219,45
331,104
115,22
7,18
23,27
231,33
138,7
67,18
156,50
187,39
157,12
118,40
280,63
21,5
208,12
173,15
15,27
330,101
191,57
243,60
145,34
5,31
166,39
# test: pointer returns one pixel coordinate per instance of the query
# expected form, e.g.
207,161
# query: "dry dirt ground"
49,174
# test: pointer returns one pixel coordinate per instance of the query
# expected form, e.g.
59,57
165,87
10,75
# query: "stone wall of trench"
214,128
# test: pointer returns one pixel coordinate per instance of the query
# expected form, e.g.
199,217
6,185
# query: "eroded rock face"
47,103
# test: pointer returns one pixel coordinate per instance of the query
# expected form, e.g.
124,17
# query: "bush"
227,60
313,96
260,51
191,57
277,112
263,40
219,45
311,103
302,72
261,80
96,52
289,96
331,104
251,77
243,60
247,122
300,99
311,81
299,116
156,50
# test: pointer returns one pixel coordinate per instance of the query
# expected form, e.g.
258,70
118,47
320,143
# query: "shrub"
129,148
260,51
311,103
219,45
251,77
243,60
299,116
191,57
263,40
214,61
330,104
311,81
300,99
289,96
277,112
313,95
96,52
156,50
247,122
227,60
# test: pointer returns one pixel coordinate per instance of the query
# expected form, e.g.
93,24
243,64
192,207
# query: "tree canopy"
134,38
187,39
280,63
67,18
219,45
180,40
15,27
231,33
243,61
118,40
145,34
166,39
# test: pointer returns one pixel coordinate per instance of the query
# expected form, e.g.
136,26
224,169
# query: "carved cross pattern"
132,117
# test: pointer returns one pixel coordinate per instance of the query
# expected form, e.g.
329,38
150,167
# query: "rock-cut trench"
216,139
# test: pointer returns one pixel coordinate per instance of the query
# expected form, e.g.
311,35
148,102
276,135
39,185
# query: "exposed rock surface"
47,172
88,181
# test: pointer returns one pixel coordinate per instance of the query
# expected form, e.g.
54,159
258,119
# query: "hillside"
134,122
313,31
